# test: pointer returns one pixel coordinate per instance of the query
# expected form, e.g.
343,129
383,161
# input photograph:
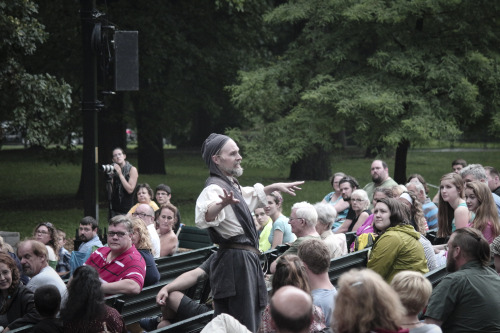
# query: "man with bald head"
224,208
380,178
147,214
291,310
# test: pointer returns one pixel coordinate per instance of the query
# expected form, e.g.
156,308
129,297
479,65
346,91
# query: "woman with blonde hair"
414,291
480,201
360,205
366,303
142,242
290,271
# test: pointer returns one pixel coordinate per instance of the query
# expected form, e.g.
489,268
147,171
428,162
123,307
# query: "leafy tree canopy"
386,71
35,103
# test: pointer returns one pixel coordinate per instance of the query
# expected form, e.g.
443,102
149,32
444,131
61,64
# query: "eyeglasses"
120,234
141,215
357,200
290,220
43,232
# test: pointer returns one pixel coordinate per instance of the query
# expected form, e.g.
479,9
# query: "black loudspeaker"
126,45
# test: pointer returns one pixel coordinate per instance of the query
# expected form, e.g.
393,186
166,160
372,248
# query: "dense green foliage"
386,71
35,103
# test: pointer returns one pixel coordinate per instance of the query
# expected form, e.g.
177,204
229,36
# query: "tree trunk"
314,166
150,156
400,161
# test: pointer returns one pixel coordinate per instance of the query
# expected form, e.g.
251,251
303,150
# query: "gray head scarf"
210,147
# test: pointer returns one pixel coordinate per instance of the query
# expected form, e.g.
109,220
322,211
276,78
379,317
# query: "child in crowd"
63,267
47,303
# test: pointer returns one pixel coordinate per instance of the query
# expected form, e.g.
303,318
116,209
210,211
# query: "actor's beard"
235,172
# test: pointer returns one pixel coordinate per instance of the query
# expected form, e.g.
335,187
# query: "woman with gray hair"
360,205
336,243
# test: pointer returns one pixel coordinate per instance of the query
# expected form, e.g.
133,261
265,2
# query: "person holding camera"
123,181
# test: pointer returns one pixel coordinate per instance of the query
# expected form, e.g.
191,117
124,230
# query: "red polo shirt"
128,265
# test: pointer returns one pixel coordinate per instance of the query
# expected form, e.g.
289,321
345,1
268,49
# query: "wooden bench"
136,307
23,329
171,267
194,238
192,325
343,264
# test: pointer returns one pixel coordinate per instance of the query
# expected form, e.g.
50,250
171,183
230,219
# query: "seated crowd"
409,235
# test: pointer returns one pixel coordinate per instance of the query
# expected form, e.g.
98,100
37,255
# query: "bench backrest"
343,264
192,325
435,276
193,238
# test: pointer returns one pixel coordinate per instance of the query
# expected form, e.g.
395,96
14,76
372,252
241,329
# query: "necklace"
414,323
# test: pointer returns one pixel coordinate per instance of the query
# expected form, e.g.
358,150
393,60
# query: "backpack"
364,241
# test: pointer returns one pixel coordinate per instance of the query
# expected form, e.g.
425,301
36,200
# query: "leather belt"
240,247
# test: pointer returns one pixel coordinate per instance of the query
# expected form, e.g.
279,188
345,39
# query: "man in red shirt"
121,267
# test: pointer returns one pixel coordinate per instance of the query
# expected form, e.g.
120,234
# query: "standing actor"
224,207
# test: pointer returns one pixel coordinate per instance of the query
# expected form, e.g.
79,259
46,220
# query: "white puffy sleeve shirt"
226,222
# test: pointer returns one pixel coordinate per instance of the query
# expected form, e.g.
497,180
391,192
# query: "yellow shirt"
264,244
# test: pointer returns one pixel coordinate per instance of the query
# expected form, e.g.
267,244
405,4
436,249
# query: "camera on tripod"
107,168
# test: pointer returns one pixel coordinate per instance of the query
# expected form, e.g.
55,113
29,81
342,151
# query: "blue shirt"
87,246
282,225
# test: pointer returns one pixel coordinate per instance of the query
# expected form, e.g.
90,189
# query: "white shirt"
226,222
155,240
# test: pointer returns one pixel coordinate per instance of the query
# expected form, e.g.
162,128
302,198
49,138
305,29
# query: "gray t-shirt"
48,276
324,298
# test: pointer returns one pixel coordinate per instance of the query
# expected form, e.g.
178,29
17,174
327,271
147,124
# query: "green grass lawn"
33,190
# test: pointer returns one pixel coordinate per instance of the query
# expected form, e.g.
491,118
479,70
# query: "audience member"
291,310
303,220
466,300
398,247
479,201
47,303
418,222
336,243
453,213
335,199
120,266
264,226
414,291
366,303
224,207
33,255
175,306
430,209
359,205
63,267
315,256
7,248
476,172
290,271
147,215
123,181
85,311
456,166
163,196
347,185
87,232
495,253
281,231
144,195
493,177
380,178
46,233
18,308
367,228
397,190
166,218
225,323
142,242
